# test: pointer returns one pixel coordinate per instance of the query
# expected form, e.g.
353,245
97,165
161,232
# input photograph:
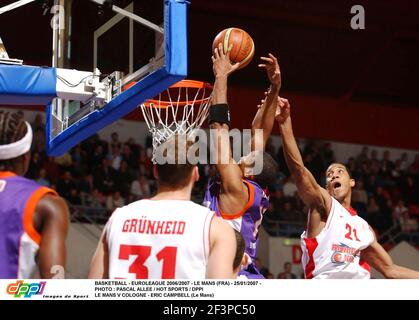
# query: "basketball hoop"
179,110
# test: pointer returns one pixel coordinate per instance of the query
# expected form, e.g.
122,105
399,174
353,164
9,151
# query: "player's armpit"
52,219
234,192
234,205
314,196
222,250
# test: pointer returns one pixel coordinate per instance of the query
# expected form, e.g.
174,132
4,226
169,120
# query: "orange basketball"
243,48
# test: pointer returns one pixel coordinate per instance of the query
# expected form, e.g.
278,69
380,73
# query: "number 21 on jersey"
351,233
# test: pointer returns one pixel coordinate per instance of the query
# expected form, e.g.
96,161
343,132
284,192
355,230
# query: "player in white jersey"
167,236
337,243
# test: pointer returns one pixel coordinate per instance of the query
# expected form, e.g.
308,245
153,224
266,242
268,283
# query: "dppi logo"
27,290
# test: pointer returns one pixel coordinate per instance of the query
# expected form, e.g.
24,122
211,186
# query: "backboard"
130,52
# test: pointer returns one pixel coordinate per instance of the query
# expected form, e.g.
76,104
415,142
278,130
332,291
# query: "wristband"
219,113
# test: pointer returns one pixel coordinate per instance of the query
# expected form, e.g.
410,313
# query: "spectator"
397,171
360,199
387,165
281,161
374,155
42,178
404,162
372,185
52,169
65,161
35,165
104,177
86,188
288,213
98,200
140,188
128,156
287,273
115,141
362,157
74,197
144,160
414,167
327,154
65,185
289,187
114,201
38,123
373,211
98,156
123,180
411,191
270,275
38,143
401,216
115,157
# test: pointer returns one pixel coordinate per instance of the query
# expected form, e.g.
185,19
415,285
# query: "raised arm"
222,252
315,197
265,116
379,259
52,219
234,193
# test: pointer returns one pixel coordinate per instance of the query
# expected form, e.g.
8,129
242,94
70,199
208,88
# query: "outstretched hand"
283,110
221,64
272,68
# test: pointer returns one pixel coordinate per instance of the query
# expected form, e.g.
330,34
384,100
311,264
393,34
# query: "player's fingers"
281,101
269,60
262,65
216,53
236,65
221,50
274,59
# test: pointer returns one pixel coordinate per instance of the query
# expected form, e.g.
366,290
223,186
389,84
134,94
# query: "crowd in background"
386,193
103,175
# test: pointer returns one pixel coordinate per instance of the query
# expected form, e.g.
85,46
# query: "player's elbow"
389,272
299,173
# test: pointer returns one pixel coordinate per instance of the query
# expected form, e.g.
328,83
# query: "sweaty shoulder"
51,202
51,206
325,204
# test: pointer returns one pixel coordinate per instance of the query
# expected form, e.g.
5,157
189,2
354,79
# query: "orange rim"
153,103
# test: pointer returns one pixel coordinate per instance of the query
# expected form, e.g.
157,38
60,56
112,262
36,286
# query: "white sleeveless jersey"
159,239
335,252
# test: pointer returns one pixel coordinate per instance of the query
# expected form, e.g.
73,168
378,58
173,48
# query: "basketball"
243,48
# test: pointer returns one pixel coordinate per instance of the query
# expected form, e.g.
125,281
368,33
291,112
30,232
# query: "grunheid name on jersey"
343,254
153,226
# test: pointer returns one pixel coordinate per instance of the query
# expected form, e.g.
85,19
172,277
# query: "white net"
179,110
